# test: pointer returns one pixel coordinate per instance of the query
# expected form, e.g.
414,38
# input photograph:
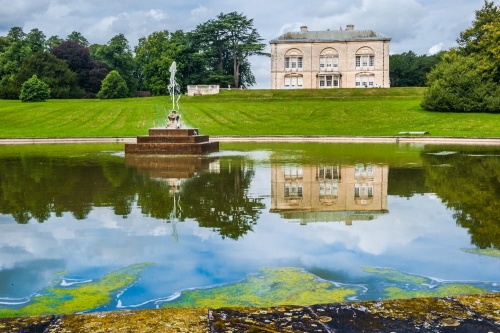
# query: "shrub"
113,86
34,90
456,85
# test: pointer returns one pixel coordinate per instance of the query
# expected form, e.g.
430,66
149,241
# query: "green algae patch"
56,299
453,289
396,276
484,252
399,285
283,286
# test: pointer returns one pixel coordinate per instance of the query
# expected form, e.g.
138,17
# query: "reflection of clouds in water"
417,235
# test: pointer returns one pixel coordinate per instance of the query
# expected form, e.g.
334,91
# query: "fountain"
173,140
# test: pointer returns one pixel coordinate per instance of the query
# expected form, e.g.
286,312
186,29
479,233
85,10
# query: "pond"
87,228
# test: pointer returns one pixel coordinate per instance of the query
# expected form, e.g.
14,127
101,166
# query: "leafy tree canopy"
78,37
228,41
113,86
34,90
468,78
117,54
53,71
410,70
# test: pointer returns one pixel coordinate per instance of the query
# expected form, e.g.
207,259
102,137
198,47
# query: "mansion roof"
329,36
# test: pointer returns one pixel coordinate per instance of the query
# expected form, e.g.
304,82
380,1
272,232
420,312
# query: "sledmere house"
345,58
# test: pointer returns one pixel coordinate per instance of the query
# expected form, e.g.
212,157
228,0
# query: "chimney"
350,27
303,28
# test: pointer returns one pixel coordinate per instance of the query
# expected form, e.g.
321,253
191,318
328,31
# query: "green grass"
352,112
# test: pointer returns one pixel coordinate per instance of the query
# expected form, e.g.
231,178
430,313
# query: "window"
364,61
293,190
294,80
293,62
328,60
329,81
328,190
365,80
365,58
335,62
363,191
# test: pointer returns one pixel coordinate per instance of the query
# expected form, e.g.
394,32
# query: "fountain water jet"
173,140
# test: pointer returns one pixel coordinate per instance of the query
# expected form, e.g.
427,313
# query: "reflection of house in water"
172,169
327,193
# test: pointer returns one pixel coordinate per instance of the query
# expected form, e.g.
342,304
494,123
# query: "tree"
468,77
155,54
457,86
228,41
78,37
118,56
409,70
53,41
34,90
90,73
16,51
36,40
469,39
53,71
113,86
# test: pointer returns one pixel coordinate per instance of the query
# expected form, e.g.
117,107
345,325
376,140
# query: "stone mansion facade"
330,59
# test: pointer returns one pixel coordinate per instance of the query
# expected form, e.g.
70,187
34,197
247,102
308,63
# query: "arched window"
365,58
329,60
293,60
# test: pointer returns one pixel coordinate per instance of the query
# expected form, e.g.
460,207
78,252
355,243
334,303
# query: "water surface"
86,228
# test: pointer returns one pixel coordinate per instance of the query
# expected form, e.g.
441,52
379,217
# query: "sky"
422,26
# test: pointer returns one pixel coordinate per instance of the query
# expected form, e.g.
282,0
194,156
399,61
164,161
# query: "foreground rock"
452,314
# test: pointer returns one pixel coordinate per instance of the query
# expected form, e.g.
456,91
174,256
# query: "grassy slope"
371,112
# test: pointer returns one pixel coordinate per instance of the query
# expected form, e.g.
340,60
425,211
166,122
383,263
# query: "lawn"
352,112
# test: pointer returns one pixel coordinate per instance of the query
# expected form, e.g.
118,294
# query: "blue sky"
422,26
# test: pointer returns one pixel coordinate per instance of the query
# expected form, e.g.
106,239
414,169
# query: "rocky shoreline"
478,314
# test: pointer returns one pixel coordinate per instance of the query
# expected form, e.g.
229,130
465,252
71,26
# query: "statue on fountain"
173,120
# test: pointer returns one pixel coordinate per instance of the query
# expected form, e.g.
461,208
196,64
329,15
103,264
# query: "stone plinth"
167,141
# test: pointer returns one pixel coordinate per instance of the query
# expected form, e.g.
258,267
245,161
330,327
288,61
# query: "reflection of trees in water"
405,182
220,201
469,184
36,187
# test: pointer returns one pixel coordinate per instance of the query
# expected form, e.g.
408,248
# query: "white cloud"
435,49
157,14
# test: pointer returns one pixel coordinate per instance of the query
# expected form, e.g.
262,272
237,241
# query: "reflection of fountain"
174,171
173,140
174,217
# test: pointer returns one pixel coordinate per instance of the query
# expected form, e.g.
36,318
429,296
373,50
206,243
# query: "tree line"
216,52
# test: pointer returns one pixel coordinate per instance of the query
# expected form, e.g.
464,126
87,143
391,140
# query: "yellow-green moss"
274,286
484,252
394,275
444,290
64,300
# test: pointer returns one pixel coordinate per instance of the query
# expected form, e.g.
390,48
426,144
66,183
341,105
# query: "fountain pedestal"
172,141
